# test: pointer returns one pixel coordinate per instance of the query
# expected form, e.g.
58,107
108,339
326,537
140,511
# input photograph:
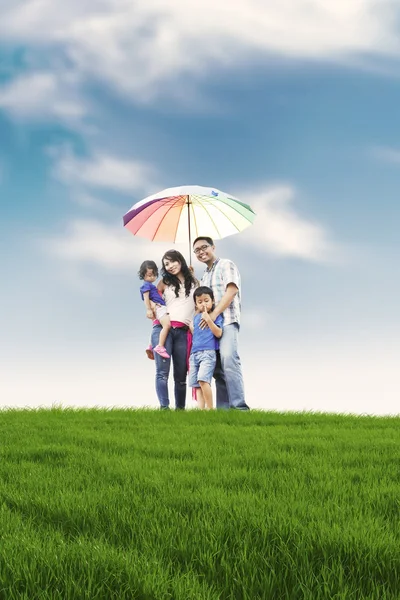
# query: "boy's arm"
191,327
216,330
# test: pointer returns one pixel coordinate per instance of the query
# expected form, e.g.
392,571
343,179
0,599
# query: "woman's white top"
180,308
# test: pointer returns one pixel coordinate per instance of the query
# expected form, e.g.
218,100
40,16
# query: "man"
223,277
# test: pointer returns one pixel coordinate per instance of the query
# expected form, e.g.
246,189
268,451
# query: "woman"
177,287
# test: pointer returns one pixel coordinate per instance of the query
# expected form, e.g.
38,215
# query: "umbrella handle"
190,237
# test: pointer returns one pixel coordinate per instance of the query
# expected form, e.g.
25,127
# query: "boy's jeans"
228,371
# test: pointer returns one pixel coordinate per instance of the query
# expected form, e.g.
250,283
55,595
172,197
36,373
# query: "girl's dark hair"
172,280
203,289
147,264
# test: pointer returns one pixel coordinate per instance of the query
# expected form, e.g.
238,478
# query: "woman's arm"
161,286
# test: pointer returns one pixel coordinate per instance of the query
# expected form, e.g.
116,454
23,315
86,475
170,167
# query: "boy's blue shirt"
204,339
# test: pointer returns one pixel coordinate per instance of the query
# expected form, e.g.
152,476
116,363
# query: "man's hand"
150,314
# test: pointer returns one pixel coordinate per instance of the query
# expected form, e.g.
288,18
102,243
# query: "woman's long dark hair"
172,280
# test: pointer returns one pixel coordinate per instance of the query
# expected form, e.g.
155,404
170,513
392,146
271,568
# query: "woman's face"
173,267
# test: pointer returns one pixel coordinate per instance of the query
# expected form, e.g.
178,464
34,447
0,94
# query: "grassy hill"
98,504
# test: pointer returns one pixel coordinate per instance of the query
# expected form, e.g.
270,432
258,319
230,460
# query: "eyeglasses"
201,249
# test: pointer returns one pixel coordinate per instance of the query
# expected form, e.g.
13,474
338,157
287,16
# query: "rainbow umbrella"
175,214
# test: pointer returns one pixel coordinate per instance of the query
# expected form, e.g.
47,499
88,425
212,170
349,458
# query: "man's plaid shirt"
221,273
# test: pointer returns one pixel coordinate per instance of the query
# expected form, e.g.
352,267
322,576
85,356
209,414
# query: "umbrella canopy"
177,214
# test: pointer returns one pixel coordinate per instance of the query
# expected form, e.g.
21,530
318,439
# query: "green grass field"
122,504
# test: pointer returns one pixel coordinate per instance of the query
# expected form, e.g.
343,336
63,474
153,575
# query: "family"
196,325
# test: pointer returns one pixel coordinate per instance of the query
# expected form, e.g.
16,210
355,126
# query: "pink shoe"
161,351
149,352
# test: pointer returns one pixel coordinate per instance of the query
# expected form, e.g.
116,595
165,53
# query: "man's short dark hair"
147,264
205,238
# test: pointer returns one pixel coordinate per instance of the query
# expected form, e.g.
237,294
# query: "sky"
290,106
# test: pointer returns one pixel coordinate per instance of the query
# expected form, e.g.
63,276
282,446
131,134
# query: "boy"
204,345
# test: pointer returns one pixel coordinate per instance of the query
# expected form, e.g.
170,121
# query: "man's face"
204,251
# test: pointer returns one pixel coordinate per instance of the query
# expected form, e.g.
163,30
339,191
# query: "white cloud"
254,319
140,48
88,201
43,94
90,241
93,242
279,230
101,170
389,155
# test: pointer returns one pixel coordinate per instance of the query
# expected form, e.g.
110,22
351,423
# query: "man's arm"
227,298
230,293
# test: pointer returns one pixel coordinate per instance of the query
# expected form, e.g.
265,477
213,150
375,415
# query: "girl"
155,304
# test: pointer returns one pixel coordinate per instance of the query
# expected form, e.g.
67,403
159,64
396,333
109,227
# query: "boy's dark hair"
147,264
205,238
203,289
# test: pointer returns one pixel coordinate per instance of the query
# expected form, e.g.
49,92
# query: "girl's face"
204,302
150,276
173,267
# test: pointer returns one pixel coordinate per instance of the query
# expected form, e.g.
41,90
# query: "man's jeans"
228,371
176,346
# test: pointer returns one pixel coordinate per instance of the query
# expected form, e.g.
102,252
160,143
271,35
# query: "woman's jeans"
176,346
228,371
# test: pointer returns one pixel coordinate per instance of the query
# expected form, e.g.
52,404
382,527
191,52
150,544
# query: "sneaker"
161,351
149,352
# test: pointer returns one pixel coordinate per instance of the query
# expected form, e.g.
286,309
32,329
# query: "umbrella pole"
190,237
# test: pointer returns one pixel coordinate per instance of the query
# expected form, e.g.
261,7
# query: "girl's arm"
147,303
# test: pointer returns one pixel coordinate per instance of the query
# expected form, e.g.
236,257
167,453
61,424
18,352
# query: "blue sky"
290,107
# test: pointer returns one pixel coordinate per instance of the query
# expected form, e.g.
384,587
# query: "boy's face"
204,301
149,276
